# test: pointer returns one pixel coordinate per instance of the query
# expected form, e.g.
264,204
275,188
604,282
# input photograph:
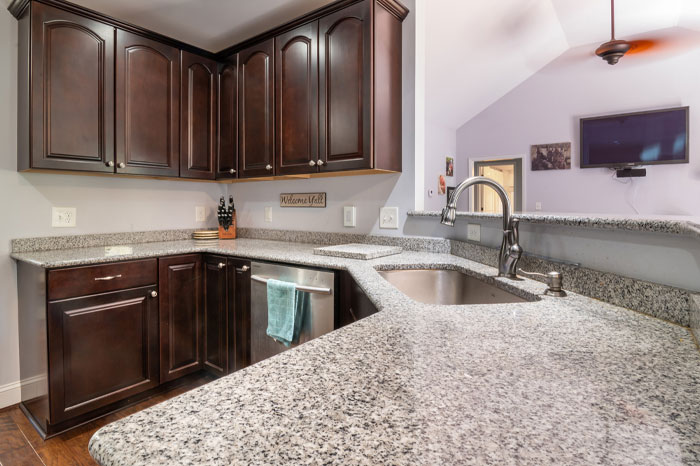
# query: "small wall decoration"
303,200
551,156
442,185
449,166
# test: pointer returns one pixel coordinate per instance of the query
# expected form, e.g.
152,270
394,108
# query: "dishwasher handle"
307,289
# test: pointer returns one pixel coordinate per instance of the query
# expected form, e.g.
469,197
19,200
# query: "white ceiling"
477,51
210,24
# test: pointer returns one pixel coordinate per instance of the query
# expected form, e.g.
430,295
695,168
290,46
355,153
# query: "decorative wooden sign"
303,200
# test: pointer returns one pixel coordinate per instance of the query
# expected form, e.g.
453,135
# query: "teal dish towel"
286,308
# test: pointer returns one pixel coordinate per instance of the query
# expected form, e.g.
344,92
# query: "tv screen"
642,138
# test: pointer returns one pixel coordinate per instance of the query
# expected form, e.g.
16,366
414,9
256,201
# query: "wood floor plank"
14,447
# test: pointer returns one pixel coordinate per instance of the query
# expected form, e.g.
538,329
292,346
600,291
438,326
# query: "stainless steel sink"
447,287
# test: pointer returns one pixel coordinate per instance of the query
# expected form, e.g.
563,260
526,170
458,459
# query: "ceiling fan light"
613,50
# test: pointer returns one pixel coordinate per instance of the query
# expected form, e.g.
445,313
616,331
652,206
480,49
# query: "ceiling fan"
614,49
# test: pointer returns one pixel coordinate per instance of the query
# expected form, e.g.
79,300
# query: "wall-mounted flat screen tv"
641,138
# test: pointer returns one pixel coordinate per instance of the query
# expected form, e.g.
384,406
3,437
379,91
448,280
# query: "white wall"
547,106
104,205
367,193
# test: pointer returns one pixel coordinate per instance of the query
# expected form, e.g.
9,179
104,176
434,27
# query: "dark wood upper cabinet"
256,110
181,315
227,153
345,62
71,92
317,95
296,98
102,348
198,98
147,106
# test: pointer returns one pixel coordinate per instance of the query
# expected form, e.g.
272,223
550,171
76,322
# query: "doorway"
506,172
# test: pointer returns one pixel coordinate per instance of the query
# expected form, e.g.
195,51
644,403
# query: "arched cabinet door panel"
296,111
256,151
345,88
198,117
148,110
227,150
72,92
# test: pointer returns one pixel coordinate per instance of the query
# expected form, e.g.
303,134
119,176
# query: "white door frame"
488,158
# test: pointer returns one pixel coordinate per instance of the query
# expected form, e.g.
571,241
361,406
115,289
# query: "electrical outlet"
389,217
63,217
268,214
473,232
200,214
538,205
349,216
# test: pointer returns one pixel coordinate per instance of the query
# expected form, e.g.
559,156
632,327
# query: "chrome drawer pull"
308,289
110,277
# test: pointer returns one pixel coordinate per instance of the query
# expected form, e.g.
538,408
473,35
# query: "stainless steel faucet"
510,248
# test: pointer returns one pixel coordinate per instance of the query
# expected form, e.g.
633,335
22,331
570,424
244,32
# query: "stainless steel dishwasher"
320,319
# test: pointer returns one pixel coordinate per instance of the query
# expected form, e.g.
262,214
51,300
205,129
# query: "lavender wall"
546,108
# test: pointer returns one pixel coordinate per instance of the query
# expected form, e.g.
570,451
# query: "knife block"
231,232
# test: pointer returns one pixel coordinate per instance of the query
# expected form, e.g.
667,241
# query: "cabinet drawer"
82,281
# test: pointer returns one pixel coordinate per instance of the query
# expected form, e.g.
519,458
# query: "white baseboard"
11,393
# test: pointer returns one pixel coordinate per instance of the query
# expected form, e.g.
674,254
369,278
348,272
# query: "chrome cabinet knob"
320,162
110,163
232,171
221,265
268,168
312,163
121,165
154,294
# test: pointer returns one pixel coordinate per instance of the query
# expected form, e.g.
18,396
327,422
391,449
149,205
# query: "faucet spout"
510,248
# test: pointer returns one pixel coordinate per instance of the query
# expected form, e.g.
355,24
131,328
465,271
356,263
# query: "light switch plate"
349,216
268,214
389,217
63,217
200,213
473,232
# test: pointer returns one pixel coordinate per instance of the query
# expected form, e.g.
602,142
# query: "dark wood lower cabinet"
354,303
97,338
216,316
239,309
181,315
226,314
102,348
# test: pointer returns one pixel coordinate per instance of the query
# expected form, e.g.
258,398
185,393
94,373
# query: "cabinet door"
181,315
355,304
345,65
198,117
255,110
296,97
72,91
216,321
148,110
102,349
227,153
239,309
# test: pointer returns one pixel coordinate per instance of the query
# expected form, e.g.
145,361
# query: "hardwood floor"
21,445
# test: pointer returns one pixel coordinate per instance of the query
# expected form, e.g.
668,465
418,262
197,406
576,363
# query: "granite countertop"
553,381
676,225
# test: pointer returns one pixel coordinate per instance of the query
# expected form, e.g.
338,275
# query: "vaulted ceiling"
477,51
